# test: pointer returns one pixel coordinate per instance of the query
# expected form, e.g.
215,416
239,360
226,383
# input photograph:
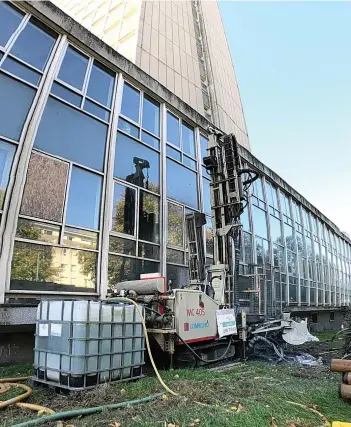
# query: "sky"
293,65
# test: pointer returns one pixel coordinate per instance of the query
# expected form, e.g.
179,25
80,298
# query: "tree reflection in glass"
175,225
149,217
123,217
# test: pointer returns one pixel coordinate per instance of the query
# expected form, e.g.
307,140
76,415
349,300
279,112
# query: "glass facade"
99,176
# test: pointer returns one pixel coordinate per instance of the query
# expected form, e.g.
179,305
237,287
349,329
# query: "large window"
176,238
276,232
44,192
83,206
135,233
206,179
10,18
75,121
181,141
136,163
177,276
285,206
58,233
24,54
21,67
7,152
259,220
182,184
20,74
257,194
68,199
206,196
272,199
296,211
71,134
126,219
121,268
50,268
140,116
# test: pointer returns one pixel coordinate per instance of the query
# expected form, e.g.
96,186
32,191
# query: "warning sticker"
226,322
43,329
56,329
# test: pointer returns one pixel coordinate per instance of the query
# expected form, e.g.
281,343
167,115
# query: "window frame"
83,92
6,50
103,174
180,149
135,238
139,124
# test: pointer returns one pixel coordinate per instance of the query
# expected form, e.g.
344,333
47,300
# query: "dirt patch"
327,350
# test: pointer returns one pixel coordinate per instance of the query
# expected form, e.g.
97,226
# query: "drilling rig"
206,320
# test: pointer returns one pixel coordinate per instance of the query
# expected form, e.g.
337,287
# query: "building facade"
99,165
181,44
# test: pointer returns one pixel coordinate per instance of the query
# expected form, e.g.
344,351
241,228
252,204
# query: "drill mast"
227,197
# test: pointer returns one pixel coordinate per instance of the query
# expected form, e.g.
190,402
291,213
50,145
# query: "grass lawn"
262,391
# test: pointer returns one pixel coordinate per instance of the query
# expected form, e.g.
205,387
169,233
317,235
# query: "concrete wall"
321,320
17,344
324,322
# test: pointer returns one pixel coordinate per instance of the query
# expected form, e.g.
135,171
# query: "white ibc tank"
79,344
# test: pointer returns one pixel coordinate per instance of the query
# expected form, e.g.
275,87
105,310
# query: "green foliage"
346,333
2,197
30,261
175,225
120,268
34,263
27,231
87,263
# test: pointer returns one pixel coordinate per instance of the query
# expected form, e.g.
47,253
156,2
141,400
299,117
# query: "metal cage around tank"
80,344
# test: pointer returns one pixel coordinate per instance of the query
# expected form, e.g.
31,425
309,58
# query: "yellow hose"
147,342
7,383
16,399
34,407
13,380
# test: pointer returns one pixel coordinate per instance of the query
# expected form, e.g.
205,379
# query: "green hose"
86,411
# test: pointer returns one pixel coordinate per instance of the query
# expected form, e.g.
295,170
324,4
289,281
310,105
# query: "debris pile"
264,348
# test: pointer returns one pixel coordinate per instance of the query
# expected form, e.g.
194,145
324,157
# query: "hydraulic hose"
199,357
258,338
124,299
251,179
85,411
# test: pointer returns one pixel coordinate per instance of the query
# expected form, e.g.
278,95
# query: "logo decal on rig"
197,325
